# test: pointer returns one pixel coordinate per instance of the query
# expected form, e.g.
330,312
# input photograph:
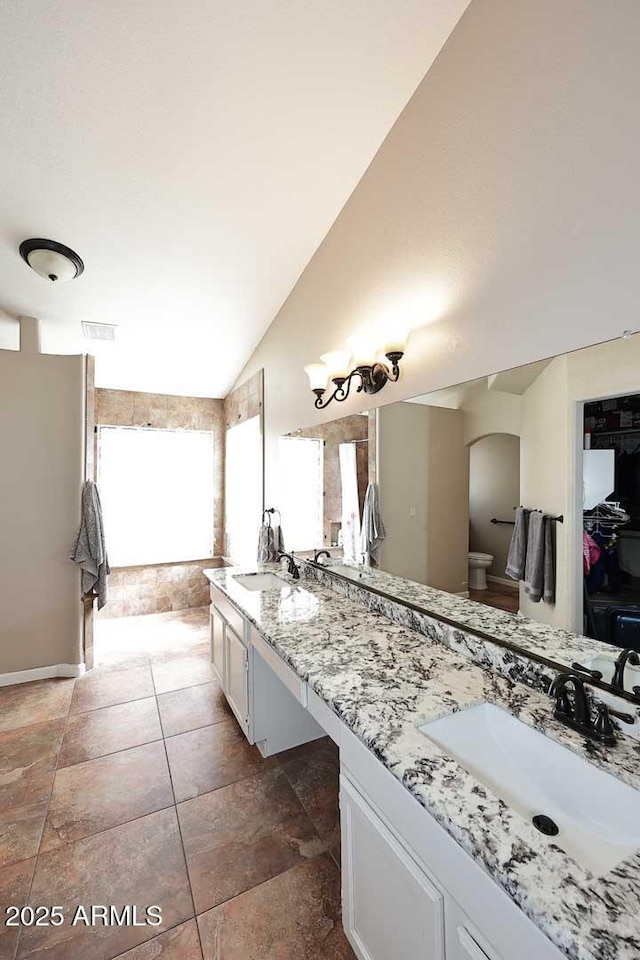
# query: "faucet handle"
595,674
603,726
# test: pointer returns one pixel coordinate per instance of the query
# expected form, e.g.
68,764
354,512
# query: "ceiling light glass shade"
51,260
397,336
338,363
318,375
365,349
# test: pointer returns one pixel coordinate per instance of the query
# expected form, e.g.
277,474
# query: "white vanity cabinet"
391,910
236,685
267,698
217,642
409,891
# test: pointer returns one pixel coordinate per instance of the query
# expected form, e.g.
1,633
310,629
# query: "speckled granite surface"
383,679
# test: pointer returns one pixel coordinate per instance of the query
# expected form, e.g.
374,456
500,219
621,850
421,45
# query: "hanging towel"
534,567
350,502
373,532
89,550
549,580
266,544
516,560
278,539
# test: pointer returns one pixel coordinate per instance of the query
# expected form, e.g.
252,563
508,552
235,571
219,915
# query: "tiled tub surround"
383,679
158,588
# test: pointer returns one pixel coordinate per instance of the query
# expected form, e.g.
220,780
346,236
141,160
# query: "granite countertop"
383,680
556,644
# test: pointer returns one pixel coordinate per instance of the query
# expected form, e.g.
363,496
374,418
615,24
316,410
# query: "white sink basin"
597,815
607,664
261,581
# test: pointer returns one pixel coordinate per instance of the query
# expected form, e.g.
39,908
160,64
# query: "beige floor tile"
294,916
108,730
94,796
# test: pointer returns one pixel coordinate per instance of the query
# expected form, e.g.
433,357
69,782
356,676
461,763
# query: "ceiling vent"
99,331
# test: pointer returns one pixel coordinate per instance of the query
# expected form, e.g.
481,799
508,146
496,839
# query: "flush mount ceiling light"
360,360
51,260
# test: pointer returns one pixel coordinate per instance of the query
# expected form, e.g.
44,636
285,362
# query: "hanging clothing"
89,550
373,532
350,501
590,550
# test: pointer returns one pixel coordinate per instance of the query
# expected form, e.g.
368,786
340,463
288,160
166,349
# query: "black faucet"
578,715
627,656
321,553
292,568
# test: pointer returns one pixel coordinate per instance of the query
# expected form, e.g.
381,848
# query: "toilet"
479,563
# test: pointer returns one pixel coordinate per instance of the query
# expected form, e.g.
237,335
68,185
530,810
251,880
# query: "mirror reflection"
519,491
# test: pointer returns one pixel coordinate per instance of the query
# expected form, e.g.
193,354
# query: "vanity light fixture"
51,260
360,361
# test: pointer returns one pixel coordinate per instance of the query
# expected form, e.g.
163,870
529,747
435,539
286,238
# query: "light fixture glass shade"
338,363
365,349
51,260
318,375
397,336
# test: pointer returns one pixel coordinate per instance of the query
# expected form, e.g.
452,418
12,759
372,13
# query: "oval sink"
261,581
597,816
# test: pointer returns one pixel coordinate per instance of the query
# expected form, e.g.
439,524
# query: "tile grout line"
46,814
175,808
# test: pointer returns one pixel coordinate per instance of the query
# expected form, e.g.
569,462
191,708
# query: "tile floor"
502,597
134,785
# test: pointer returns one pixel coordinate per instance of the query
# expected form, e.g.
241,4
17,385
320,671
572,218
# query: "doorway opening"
611,520
494,491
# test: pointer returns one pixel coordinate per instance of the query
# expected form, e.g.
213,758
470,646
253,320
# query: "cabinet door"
237,676
391,910
217,644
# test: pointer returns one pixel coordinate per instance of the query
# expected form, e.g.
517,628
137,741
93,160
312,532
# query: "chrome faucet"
292,568
578,715
627,656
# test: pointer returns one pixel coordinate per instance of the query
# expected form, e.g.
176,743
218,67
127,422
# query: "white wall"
505,202
424,494
494,490
41,474
545,456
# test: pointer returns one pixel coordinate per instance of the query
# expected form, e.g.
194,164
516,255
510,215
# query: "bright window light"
301,491
243,490
156,488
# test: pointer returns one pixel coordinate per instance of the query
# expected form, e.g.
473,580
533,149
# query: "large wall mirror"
519,491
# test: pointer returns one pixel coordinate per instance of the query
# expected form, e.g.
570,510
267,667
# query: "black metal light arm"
372,379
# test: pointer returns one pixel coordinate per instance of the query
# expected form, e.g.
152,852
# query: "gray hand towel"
266,544
534,568
549,581
517,556
372,531
89,549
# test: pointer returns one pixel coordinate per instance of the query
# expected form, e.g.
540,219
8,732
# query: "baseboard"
463,593
503,581
42,673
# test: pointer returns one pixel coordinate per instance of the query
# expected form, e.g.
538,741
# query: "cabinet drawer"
283,671
228,611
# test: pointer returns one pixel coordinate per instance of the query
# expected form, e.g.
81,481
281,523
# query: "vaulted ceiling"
194,153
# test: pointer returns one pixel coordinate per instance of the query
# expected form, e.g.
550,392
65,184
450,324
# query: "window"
243,490
301,491
156,488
